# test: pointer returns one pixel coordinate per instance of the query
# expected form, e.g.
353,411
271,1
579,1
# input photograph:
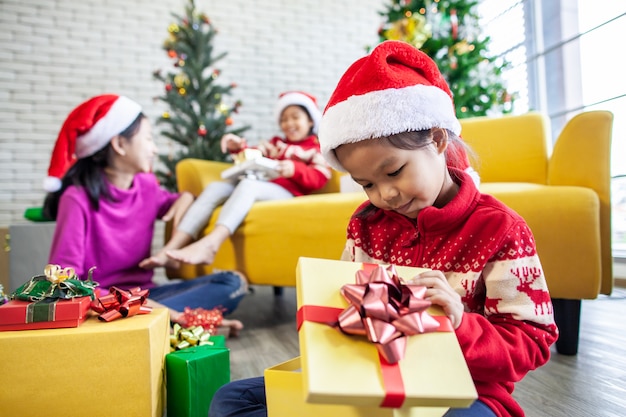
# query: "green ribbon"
44,310
55,286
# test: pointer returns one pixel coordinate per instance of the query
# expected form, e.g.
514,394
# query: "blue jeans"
222,289
246,397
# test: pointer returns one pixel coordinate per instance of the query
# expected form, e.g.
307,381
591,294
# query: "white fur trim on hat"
121,114
51,184
298,99
383,113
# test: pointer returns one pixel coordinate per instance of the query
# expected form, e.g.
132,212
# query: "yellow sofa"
563,193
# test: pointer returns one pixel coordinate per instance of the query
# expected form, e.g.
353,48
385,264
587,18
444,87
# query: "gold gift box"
284,392
97,369
345,370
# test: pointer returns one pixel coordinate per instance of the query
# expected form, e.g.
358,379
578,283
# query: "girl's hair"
455,157
310,118
88,173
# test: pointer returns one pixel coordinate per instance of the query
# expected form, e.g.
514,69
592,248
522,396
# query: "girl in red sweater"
390,124
301,169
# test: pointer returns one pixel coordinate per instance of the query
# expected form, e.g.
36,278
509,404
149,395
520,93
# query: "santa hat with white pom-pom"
87,129
397,88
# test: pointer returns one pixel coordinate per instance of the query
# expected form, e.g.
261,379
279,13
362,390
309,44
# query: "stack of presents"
370,345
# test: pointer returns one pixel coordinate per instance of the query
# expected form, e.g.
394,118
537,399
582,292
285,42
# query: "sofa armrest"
194,175
581,157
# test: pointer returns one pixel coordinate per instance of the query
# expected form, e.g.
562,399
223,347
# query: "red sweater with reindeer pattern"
487,252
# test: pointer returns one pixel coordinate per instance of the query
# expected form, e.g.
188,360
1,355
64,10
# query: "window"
567,66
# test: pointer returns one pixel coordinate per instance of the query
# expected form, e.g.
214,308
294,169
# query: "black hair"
88,173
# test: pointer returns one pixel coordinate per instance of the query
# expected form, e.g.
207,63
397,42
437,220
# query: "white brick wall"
56,53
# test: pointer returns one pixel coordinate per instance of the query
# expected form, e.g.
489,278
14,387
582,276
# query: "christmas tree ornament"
181,80
202,130
223,108
454,23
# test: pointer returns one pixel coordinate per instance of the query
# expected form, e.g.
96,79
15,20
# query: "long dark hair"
418,139
88,173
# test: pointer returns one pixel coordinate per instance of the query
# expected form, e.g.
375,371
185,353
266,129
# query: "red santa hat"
87,129
397,88
298,98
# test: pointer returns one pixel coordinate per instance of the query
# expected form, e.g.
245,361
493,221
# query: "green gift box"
194,375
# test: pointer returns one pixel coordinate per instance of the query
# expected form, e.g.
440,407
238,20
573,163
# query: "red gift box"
45,314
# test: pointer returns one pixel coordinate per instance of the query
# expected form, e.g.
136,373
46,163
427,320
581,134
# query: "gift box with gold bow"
198,366
98,369
55,299
370,345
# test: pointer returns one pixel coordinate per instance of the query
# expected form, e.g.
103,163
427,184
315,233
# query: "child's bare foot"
159,259
230,327
199,252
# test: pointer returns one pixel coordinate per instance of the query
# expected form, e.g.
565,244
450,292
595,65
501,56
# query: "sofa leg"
278,291
567,318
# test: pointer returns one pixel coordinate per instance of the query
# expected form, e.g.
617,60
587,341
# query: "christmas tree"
449,32
197,117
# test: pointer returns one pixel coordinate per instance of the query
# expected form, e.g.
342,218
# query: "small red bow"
121,303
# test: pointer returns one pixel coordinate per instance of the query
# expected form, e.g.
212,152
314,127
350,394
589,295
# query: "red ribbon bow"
385,310
121,303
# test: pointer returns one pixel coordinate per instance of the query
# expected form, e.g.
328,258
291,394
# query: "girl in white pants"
301,170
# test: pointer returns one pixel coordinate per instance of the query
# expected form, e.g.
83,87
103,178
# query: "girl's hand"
232,143
179,208
439,292
286,168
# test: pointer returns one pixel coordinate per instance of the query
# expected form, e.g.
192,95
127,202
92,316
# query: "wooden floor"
592,383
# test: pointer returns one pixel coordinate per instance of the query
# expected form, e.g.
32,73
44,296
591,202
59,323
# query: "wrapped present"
195,373
44,314
349,369
98,369
284,388
55,299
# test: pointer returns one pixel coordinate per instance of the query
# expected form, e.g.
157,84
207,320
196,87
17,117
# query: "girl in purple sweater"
105,201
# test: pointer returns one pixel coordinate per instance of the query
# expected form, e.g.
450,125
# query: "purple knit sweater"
115,238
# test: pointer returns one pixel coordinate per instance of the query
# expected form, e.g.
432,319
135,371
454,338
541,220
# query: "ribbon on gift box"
209,320
56,283
183,338
3,298
386,311
120,303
